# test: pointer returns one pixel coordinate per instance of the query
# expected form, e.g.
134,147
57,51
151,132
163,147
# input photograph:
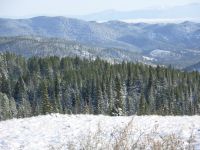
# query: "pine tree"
21,97
99,99
13,108
118,103
110,94
142,105
58,105
5,86
4,107
46,105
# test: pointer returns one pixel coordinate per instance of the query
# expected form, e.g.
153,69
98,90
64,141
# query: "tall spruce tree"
46,105
118,103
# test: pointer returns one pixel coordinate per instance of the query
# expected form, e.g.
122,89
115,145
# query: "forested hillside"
72,85
160,43
29,46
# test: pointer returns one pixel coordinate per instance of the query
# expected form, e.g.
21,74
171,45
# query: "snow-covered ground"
95,132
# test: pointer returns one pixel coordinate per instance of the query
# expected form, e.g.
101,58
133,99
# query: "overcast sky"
30,8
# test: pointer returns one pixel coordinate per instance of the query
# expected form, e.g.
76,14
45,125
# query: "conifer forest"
35,86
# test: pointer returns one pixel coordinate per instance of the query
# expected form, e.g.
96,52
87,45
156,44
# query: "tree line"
36,86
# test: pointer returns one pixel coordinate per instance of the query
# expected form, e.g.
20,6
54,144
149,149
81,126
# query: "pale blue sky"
29,8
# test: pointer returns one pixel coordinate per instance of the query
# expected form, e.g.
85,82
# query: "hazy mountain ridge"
189,11
195,67
108,32
180,40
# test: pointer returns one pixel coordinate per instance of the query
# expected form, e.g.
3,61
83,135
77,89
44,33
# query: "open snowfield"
100,132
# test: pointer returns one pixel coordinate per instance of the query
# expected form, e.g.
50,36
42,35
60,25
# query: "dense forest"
36,86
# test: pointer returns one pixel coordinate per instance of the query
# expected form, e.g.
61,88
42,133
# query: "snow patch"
148,58
158,53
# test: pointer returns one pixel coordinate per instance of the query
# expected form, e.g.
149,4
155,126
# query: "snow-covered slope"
94,132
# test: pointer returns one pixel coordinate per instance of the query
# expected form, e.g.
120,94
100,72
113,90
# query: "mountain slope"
40,46
181,40
184,35
70,29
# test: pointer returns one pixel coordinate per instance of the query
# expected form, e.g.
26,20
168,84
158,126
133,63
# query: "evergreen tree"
118,103
5,86
4,107
21,97
46,105
58,105
142,105
99,99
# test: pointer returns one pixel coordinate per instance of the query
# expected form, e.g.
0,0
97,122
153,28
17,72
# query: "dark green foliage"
73,85
46,105
5,86
142,105
118,103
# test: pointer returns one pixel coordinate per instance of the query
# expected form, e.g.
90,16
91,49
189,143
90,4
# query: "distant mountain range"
189,11
176,44
195,67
